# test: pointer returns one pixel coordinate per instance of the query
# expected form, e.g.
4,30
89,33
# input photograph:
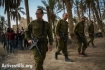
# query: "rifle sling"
43,28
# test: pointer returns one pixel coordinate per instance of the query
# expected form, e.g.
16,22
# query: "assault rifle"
63,36
35,42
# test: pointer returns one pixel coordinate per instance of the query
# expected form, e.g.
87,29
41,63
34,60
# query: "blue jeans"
15,44
7,46
20,45
11,43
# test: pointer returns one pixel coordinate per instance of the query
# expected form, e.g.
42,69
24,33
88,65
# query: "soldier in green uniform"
79,32
35,30
91,33
62,36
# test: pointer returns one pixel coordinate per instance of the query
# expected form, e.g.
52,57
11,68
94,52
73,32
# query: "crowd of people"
12,40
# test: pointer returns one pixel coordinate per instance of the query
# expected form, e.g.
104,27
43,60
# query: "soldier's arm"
28,32
50,34
57,28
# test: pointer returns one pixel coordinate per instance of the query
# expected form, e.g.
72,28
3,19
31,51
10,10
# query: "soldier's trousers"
62,46
82,44
56,43
39,59
91,41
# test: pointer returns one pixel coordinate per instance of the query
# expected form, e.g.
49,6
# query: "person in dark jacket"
20,40
11,37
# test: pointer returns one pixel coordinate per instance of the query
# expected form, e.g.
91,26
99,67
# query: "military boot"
84,54
94,46
56,55
88,44
79,53
68,59
59,53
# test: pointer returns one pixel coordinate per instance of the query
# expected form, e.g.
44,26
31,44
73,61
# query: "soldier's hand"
30,41
58,37
50,48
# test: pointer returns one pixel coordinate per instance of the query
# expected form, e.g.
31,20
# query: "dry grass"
94,61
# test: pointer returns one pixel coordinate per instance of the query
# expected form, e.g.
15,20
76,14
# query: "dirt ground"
94,61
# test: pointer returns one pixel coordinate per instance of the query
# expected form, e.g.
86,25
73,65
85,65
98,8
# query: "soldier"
35,30
91,33
79,32
62,36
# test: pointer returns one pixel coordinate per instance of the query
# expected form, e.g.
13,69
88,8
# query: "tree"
2,21
76,8
97,16
8,4
51,8
27,11
15,14
69,4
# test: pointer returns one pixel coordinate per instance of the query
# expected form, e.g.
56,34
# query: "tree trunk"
16,21
89,17
64,6
78,13
96,28
2,24
89,14
8,16
99,9
27,11
48,14
82,12
69,11
98,19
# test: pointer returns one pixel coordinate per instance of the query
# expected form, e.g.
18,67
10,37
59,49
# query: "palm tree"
103,10
103,15
15,14
51,8
27,11
61,3
48,14
98,18
76,7
2,21
7,4
89,10
69,5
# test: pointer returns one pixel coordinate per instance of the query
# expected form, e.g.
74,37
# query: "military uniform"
35,29
91,34
79,32
62,28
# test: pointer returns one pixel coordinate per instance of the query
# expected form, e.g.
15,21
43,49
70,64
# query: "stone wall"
23,23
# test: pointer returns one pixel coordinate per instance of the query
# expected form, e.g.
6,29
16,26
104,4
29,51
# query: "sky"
32,9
